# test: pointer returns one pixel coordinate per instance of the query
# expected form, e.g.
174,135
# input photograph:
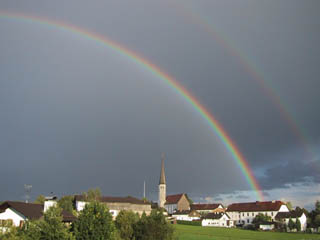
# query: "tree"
93,194
154,226
52,227
260,218
298,225
291,224
66,203
31,230
316,221
317,206
289,205
94,223
40,199
125,222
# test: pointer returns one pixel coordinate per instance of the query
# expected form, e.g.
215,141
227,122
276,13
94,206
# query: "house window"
242,214
248,221
252,214
271,213
247,214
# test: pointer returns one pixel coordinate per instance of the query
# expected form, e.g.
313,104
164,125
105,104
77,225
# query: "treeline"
93,223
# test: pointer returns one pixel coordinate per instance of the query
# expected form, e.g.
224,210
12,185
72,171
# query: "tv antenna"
27,189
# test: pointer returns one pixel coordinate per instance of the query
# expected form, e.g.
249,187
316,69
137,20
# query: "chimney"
49,202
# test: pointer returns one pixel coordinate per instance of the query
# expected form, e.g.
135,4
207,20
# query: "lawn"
184,232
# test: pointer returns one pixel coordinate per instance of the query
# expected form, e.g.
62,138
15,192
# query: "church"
172,203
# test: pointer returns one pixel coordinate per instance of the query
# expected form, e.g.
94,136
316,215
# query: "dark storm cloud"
77,115
290,173
242,197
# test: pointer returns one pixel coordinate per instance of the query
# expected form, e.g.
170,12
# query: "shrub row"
193,223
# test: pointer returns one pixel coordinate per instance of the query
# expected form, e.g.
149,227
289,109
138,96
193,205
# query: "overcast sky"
76,114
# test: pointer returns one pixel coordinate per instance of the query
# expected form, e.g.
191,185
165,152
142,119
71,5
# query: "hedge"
193,223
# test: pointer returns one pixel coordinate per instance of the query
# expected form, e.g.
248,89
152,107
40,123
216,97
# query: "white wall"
222,222
266,227
48,204
80,205
13,215
303,220
283,208
247,217
184,217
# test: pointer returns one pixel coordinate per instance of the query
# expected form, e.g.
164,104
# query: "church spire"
162,174
162,185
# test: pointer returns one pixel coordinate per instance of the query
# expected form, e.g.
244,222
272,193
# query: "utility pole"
27,189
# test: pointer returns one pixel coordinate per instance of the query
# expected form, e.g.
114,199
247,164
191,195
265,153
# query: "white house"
244,213
284,217
217,220
186,215
16,213
116,204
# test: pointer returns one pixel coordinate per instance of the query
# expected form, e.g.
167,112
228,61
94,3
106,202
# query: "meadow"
184,232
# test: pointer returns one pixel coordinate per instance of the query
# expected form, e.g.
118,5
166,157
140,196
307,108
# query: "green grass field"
184,232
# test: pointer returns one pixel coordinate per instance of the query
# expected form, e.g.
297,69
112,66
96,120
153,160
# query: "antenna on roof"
27,189
144,189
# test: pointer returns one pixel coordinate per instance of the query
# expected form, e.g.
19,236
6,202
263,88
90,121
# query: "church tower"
162,185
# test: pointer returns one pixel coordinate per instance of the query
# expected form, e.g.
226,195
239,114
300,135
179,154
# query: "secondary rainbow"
251,69
174,84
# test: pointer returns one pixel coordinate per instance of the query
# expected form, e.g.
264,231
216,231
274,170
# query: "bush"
192,223
291,224
94,223
125,222
153,227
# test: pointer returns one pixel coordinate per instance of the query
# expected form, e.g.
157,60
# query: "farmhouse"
116,204
186,215
284,217
207,208
244,213
177,202
217,220
16,213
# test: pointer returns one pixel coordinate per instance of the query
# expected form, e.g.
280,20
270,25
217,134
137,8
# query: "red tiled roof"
106,199
173,199
255,206
210,206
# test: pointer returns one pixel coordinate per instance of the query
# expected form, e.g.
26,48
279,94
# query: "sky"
77,114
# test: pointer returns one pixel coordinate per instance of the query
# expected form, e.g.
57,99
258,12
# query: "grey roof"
291,214
162,174
108,199
33,210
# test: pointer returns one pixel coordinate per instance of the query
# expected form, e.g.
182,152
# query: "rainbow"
251,69
170,81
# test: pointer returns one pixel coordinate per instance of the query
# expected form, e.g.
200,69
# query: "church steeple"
162,184
162,174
